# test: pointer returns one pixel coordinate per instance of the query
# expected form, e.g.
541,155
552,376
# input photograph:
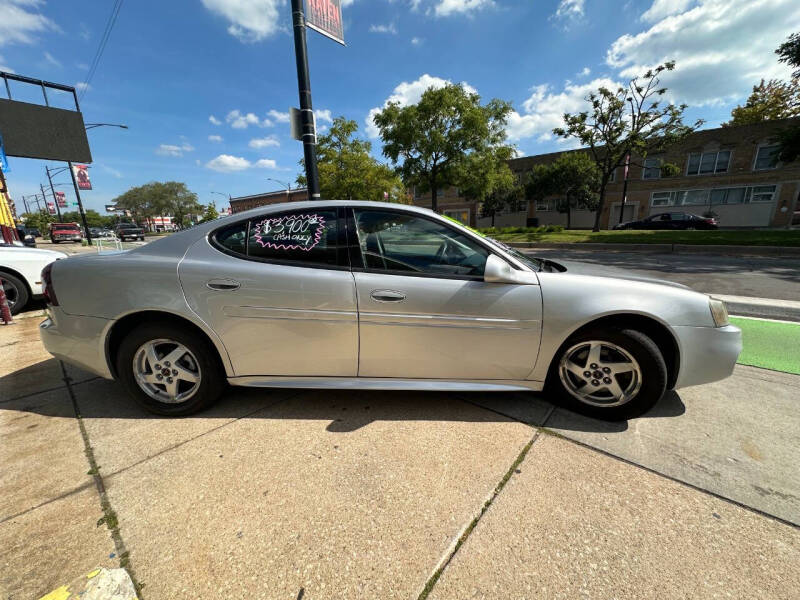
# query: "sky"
205,85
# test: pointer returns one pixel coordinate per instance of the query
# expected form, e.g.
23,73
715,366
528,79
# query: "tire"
17,294
202,359
566,385
52,241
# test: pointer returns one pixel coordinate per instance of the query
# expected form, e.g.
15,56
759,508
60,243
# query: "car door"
278,291
425,311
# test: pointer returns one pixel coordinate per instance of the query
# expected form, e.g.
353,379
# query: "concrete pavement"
277,494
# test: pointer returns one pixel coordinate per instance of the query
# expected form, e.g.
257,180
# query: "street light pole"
53,190
306,109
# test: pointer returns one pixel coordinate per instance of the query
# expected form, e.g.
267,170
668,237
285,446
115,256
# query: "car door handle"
223,284
387,296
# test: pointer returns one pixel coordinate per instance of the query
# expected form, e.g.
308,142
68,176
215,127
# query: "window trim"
748,187
351,221
755,158
342,255
645,168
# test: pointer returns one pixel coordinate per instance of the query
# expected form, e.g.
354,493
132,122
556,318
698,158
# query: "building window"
652,168
662,198
460,215
766,157
763,193
692,197
709,162
543,205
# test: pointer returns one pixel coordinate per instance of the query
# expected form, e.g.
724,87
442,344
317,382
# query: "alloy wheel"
600,373
167,371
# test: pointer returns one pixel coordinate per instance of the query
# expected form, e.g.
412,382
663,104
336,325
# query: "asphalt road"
760,277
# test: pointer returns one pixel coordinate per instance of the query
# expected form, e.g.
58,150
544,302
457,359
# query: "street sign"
82,177
325,16
296,123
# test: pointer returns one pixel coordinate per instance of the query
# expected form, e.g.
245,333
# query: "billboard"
325,16
61,200
34,131
81,173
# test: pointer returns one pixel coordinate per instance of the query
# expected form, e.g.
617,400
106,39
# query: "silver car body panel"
278,325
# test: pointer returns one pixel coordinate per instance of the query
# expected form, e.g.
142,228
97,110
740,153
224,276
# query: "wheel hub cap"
166,371
600,373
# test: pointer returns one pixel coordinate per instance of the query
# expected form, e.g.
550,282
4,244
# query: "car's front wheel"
611,374
168,370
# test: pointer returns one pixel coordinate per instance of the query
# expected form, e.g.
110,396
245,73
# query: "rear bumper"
77,340
707,353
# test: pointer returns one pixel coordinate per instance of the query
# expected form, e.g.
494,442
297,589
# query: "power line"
112,19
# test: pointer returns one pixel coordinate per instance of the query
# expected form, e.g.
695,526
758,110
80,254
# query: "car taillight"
47,280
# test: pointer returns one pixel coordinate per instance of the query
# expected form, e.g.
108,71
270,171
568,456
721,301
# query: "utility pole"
80,204
53,189
306,108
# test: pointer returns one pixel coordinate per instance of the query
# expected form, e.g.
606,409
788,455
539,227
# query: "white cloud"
21,20
214,120
721,48
82,86
416,41
323,115
51,59
112,171
82,66
265,142
225,163
664,8
408,93
279,117
569,11
544,109
4,67
390,28
586,71
250,20
174,150
266,163
215,138
239,120
445,8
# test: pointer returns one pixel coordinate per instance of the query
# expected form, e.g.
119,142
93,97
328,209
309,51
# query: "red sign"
61,199
325,16
51,208
81,173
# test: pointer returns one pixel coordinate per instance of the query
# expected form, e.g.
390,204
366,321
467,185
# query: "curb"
765,308
785,251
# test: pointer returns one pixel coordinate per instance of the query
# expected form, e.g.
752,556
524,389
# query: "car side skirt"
381,383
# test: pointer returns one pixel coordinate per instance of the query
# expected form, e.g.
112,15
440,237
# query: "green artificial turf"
770,237
770,344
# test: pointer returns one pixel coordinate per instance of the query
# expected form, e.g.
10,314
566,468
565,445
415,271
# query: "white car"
21,272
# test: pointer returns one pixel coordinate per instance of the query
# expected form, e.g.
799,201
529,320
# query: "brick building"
243,203
730,171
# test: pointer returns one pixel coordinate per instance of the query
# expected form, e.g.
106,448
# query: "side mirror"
499,271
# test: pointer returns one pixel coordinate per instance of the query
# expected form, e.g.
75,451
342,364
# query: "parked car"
65,232
101,233
34,231
671,220
20,270
26,239
129,231
375,296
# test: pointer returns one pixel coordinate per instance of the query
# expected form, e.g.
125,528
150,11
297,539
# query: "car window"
678,216
406,243
665,217
233,238
308,236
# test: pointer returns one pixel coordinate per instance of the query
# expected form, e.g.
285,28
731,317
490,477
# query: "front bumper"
707,353
77,340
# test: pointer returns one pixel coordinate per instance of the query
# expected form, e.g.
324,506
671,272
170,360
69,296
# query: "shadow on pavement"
347,410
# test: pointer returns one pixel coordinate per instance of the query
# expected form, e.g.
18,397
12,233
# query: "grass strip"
770,344
584,236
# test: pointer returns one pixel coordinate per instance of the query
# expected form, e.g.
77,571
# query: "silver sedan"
367,295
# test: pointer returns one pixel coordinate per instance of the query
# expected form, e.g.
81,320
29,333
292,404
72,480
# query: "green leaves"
769,101
432,142
160,199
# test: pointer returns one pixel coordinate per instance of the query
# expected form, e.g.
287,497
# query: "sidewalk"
792,251
764,308
398,495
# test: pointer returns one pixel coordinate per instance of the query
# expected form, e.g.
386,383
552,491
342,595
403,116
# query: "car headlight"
719,312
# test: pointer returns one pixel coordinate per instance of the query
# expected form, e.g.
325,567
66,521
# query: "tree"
210,213
769,101
93,218
789,52
40,221
429,142
574,176
611,130
484,176
348,171
158,199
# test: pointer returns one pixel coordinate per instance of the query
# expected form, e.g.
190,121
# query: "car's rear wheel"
611,374
17,295
168,370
